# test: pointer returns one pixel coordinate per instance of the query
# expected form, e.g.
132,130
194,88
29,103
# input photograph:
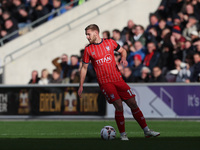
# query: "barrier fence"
155,101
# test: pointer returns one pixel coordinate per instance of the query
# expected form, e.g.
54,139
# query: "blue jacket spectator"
56,5
140,50
137,66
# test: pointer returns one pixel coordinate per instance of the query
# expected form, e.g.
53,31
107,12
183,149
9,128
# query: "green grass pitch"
75,135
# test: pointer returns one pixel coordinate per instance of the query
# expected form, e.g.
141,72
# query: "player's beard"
93,39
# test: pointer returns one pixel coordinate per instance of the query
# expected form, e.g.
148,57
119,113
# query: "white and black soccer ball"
108,133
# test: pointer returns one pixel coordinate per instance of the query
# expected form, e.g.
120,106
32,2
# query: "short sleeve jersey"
103,60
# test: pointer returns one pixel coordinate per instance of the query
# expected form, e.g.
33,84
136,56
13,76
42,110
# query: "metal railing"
39,40
31,25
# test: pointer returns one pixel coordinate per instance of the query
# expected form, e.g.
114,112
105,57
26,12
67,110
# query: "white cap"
194,33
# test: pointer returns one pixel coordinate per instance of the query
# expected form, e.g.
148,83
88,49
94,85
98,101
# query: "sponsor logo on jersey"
106,59
108,48
112,96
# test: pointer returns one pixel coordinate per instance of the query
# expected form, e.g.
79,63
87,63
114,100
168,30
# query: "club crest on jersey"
112,96
93,53
107,59
108,48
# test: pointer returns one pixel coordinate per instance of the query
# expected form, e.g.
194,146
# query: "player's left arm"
123,53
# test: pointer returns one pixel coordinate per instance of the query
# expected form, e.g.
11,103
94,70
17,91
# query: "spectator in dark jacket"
152,57
43,9
20,13
127,75
63,66
9,28
56,77
56,5
195,74
157,75
145,75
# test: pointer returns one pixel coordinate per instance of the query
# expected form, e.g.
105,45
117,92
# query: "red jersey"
103,60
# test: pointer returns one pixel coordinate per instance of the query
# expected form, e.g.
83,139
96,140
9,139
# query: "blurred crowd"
17,14
167,50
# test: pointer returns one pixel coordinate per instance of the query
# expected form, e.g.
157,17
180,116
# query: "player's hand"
80,90
124,62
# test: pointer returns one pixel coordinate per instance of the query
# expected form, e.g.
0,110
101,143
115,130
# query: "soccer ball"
108,133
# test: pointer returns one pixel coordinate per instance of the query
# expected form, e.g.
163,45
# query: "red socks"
119,118
137,114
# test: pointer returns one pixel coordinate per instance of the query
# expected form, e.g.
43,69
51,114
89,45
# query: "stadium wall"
69,39
158,101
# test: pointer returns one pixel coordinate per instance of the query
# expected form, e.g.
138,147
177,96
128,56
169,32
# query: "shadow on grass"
159,143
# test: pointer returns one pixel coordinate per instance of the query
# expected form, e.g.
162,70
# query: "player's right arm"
83,73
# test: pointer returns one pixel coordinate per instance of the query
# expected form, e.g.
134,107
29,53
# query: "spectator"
189,11
152,36
32,14
106,34
79,2
68,7
177,40
41,10
157,75
153,22
177,22
63,66
10,28
34,77
19,12
138,35
152,56
117,58
183,71
44,77
127,48
127,75
75,77
139,49
189,50
117,37
196,6
191,26
166,41
169,8
56,76
56,5
194,36
127,30
196,71
196,46
46,4
166,60
74,65
161,26
145,75
81,55
137,67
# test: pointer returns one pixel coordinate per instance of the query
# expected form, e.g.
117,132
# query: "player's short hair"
92,27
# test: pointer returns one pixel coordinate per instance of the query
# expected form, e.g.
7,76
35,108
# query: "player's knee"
118,105
119,108
132,103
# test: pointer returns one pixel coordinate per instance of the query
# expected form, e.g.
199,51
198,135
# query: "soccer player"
101,54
